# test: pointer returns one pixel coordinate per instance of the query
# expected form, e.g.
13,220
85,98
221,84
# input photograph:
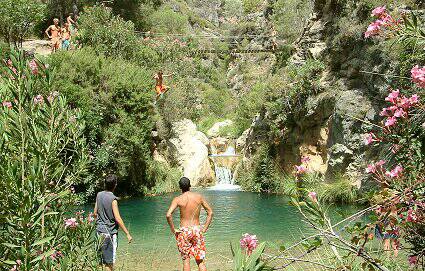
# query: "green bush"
18,17
165,20
166,178
43,154
250,6
341,190
114,97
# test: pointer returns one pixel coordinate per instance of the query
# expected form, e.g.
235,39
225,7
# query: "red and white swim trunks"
191,242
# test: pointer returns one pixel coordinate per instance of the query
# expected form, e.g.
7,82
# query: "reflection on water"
235,212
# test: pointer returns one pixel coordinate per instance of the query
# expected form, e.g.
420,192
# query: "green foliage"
341,190
250,104
43,154
114,97
165,177
262,174
165,20
290,17
18,17
113,36
250,6
233,8
244,262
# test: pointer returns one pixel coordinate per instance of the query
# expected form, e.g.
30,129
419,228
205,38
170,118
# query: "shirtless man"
190,235
66,37
160,88
55,34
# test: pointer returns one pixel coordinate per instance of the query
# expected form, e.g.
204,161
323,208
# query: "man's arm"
169,215
210,214
119,220
47,32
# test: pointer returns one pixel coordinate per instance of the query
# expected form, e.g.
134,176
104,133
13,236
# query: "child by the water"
108,220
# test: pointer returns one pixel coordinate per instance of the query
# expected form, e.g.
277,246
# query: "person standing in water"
108,220
54,35
190,236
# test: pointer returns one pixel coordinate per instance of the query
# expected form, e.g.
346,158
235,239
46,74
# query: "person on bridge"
190,235
160,88
55,34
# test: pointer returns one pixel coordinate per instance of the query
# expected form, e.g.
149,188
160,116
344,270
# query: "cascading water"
223,173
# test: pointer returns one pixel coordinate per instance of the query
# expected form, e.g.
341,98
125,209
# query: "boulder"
214,131
38,47
188,148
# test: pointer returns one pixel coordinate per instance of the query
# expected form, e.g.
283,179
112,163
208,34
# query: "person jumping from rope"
160,88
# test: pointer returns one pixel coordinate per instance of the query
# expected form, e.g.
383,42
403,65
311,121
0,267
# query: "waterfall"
223,174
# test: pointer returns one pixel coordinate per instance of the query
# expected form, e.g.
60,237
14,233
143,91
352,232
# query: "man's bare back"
190,235
190,208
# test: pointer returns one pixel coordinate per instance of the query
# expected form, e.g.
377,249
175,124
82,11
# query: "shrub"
341,190
114,97
18,17
165,20
43,154
250,6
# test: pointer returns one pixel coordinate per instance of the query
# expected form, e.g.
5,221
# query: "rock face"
214,131
188,148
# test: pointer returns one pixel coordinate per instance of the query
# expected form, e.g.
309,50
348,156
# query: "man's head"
184,184
111,182
71,14
56,21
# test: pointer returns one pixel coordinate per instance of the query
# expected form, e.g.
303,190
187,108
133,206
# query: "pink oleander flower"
379,11
38,99
392,97
418,76
300,169
33,66
371,169
413,260
71,223
395,173
313,196
385,112
249,242
380,163
411,216
373,29
56,255
414,99
305,159
7,104
370,138
400,113
391,121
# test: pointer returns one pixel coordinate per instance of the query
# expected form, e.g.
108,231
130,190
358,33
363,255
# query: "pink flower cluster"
313,196
399,108
384,20
38,99
373,168
33,66
71,223
370,138
418,76
56,255
301,169
7,104
395,172
249,242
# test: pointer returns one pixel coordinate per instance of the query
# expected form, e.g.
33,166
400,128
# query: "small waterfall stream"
223,173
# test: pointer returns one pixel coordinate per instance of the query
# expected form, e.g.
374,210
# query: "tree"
18,18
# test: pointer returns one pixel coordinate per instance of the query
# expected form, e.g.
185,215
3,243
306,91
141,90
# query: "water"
223,174
236,212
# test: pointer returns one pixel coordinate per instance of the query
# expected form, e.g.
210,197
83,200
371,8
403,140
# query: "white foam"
225,187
